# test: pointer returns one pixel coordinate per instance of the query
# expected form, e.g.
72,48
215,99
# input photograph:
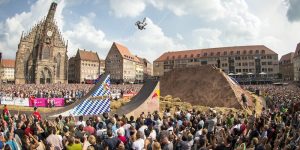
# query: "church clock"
49,33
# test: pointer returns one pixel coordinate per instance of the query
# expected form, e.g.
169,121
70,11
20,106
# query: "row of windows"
213,59
88,64
267,69
89,71
265,63
219,54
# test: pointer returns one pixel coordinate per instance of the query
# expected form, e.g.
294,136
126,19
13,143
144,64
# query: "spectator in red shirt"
36,114
6,113
89,129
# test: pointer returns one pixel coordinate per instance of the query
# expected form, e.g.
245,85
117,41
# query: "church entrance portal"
45,76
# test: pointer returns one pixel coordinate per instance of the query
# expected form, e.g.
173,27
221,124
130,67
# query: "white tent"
262,73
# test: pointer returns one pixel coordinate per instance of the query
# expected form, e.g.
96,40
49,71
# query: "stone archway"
45,76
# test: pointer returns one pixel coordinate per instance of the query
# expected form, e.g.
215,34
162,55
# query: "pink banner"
43,102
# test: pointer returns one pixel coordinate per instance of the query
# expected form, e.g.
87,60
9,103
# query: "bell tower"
45,49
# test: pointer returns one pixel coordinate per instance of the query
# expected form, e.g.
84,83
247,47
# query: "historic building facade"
147,68
286,66
123,66
296,64
7,70
84,66
253,59
42,53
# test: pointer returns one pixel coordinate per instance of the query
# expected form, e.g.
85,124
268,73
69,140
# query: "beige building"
147,68
84,66
102,66
286,67
238,60
42,53
122,65
296,62
7,70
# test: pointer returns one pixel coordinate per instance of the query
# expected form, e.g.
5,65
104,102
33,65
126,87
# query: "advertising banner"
5,100
21,101
59,102
43,102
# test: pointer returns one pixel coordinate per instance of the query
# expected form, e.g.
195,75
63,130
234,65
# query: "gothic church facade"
42,54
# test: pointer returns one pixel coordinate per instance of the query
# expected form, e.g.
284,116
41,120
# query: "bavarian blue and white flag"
97,103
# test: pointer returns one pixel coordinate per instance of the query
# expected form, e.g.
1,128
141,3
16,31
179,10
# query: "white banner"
5,100
115,95
21,101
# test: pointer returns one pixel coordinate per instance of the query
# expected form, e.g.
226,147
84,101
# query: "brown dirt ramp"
202,85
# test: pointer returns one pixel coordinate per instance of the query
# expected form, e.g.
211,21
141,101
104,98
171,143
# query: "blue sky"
172,24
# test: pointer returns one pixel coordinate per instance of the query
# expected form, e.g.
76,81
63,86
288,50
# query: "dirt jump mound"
204,85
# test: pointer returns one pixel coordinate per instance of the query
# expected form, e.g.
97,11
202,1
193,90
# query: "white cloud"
205,38
127,8
12,27
84,35
211,9
179,36
151,43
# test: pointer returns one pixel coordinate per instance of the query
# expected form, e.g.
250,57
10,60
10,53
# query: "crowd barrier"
38,102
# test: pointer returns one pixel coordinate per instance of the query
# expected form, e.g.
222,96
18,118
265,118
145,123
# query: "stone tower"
42,53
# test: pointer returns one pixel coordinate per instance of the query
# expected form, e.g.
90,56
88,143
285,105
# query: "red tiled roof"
8,63
88,55
215,52
287,57
125,52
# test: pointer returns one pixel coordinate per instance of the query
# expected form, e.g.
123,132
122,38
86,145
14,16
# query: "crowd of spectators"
278,97
178,130
45,90
274,129
67,91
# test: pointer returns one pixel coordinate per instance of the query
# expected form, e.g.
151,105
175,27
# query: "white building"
7,71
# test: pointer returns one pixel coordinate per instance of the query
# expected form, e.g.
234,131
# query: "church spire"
51,12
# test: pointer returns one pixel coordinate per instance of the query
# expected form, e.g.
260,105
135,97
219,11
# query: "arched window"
46,53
